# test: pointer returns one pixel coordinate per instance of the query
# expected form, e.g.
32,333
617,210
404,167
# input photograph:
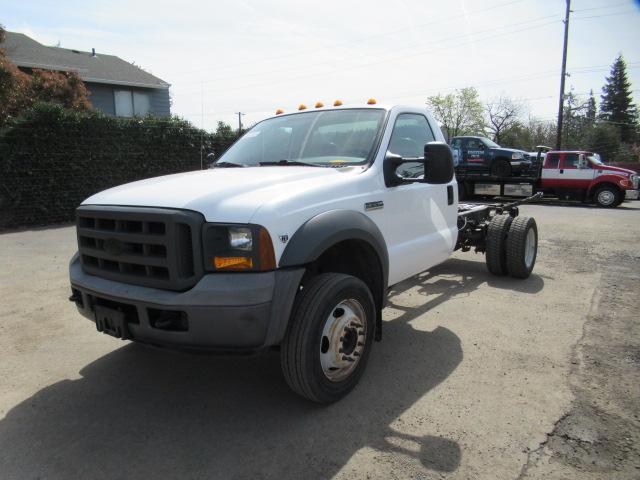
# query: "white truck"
290,242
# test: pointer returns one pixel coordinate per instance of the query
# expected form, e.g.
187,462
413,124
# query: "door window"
410,134
552,160
570,160
475,144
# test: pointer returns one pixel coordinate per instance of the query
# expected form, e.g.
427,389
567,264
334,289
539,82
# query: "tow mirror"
438,160
390,169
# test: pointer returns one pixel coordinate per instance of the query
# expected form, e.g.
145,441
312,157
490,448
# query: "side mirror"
438,160
389,167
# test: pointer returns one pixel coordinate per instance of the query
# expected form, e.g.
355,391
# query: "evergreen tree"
617,104
590,114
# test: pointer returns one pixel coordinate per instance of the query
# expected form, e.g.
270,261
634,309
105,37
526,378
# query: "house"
116,87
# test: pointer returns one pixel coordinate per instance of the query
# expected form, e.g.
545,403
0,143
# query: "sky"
251,56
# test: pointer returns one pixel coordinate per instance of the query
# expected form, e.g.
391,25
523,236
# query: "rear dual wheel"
512,246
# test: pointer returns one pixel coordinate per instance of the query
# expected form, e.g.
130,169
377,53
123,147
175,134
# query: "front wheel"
327,344
501,168
608,197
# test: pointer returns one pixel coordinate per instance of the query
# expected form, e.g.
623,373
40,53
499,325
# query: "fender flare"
609,179
326,229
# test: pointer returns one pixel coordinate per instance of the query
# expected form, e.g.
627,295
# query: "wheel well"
597,186
357,258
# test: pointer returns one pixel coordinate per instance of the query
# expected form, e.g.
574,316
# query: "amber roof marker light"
371,101
319,104
337,103
279,111
302,106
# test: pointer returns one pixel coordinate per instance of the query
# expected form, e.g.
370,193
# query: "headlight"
625,183
241,238
516,156
237,248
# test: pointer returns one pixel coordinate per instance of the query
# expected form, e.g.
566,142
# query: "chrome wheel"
606,197
343,340
530,248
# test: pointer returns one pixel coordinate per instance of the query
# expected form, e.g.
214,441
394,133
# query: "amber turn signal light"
233,263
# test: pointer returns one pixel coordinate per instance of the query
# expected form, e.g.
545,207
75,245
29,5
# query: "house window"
130,103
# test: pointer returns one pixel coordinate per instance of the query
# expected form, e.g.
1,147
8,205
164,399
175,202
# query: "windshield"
490,144
323,138
594,158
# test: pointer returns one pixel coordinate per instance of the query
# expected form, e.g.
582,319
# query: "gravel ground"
476,377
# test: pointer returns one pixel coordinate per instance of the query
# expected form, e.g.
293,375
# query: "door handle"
449,195
562,170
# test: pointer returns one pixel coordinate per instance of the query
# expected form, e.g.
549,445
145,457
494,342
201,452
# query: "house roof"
27,53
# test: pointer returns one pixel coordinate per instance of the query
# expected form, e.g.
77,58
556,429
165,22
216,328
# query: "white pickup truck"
290,241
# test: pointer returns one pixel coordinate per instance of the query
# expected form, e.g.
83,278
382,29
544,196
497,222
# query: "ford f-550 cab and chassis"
290,241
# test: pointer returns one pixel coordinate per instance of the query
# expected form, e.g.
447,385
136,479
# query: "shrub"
52,158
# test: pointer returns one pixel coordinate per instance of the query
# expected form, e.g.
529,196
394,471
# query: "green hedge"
51,159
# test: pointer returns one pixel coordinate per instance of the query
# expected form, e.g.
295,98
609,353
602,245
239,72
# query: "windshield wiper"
226,165
286,162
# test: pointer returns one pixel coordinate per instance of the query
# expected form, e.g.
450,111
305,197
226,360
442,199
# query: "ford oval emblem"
113,246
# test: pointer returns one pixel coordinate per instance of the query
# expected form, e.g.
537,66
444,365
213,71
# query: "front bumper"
224,311
519,165
631,194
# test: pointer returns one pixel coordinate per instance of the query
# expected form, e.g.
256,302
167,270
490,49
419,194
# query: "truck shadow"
143,413
458,277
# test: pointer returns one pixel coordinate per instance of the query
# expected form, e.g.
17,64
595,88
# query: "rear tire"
496,256
329,337
607,197
501,168
522,247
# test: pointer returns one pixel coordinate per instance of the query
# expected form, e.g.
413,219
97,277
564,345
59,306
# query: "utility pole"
240,114
563,75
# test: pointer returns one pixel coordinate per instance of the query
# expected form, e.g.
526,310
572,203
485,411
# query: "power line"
363,39
342,69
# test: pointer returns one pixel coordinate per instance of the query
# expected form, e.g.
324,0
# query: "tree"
591,108
20,90
459,113
503,114
576,121
604,138
528,135
617,105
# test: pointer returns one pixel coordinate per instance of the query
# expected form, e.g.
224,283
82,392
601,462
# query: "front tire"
607,197
329,337
501,168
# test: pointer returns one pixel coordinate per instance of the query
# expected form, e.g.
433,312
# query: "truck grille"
152,247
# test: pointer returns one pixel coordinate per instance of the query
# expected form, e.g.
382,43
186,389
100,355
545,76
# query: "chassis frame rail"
473,221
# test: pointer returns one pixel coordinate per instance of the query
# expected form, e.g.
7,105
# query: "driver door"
420,218
474,152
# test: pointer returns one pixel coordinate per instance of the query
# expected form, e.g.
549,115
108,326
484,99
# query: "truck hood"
615,170
222,194
511,150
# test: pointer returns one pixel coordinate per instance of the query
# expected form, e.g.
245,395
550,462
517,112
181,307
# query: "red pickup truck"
578,175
